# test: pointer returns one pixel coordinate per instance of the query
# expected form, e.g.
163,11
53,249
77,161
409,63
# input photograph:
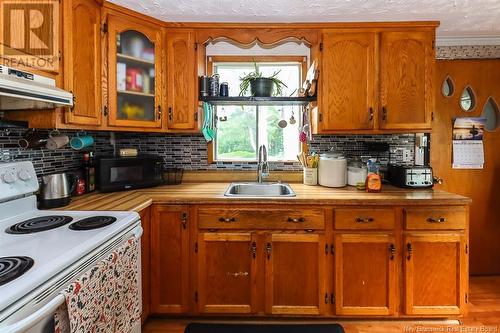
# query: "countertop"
206,193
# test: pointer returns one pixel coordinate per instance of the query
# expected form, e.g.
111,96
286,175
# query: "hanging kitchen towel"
208,121
105,299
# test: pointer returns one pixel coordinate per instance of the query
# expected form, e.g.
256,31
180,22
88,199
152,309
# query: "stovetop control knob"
24,175
9,177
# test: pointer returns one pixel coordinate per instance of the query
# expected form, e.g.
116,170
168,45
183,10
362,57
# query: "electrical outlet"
406,155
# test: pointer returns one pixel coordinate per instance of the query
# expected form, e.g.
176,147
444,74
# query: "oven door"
38,316
128,173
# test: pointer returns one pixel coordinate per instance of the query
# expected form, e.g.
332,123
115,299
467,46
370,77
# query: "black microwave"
124,173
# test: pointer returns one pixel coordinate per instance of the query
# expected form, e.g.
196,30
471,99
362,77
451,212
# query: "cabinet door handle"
159,112
326,298
237,274
438,220
105,111
384,113
296,219
392,251
269,249
364,219
170,114
410,251
253,250
227,219
370,113
184,221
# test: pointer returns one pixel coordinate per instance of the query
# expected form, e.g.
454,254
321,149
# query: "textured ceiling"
458,17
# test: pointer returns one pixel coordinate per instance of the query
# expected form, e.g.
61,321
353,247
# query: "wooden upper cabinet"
82,61
435,273
169,259
295,274
365,274
134,73
406,80
182,96
227,273
348,100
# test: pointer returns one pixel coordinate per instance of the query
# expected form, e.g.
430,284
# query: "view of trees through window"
242,129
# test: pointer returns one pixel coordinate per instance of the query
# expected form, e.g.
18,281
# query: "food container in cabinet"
332,170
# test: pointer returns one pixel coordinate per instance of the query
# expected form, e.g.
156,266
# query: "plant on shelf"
261,86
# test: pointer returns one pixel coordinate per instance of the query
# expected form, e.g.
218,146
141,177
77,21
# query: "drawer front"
436,218
368,219
254,218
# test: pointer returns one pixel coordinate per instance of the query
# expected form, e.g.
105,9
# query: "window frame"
303,60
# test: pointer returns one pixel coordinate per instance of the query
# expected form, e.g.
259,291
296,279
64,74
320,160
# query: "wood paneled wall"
480,185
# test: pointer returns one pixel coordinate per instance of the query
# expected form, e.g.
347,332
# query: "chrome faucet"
262,166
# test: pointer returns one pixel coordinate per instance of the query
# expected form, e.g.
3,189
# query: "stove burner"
93,222
13,267
37,224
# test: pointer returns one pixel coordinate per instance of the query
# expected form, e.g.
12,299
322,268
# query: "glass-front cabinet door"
134,62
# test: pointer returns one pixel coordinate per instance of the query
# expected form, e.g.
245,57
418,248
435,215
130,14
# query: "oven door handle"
34,318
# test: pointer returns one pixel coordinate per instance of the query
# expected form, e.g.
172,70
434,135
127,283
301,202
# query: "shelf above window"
239,100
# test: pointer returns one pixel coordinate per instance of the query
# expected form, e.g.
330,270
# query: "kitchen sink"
259,190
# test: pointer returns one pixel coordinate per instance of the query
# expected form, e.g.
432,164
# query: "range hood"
20,90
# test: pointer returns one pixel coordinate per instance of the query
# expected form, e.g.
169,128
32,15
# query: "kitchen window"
242,129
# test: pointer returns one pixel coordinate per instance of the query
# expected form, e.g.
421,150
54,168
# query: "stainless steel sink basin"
259,190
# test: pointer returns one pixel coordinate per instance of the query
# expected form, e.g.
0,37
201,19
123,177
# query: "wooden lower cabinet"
435,273
365,274
169,259
385,262
227,273
295,274
233,266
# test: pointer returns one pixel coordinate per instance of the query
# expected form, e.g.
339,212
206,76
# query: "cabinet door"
365,274
435,273
406,80
227,273
348,82
181,81
295,266
134,60
169,259
82,61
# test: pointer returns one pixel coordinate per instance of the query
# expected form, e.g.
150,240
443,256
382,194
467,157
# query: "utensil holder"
310,176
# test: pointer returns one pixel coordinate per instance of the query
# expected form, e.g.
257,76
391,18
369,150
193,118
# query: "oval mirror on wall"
467,99
491,113
447,88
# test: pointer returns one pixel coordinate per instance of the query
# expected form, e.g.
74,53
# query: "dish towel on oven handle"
105,299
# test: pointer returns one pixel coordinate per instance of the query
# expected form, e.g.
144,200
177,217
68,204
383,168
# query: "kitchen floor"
484,316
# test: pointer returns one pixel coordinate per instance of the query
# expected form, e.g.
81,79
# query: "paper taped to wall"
468,149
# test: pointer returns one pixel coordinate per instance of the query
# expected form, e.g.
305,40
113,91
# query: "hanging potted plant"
261,86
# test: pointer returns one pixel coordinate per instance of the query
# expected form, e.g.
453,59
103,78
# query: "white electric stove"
42,252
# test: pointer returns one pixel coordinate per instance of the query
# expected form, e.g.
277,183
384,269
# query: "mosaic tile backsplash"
189,152
49,161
